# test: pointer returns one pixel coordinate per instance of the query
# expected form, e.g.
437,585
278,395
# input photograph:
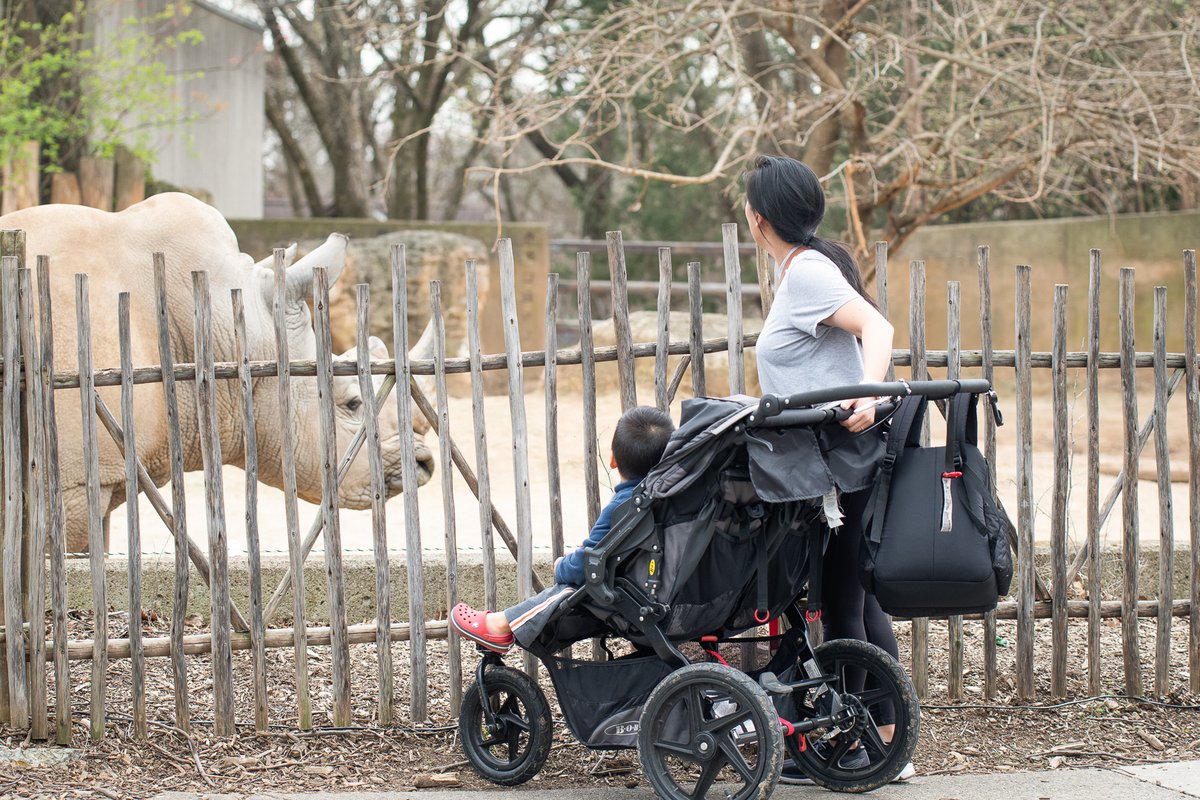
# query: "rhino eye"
354,404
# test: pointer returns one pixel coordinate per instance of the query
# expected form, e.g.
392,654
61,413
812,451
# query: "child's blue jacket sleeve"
570,569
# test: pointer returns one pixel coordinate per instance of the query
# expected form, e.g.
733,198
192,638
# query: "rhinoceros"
115,250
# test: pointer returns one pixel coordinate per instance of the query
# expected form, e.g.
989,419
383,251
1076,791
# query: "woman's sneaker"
906,773
793,775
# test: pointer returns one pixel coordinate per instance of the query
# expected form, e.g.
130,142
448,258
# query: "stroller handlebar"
772,405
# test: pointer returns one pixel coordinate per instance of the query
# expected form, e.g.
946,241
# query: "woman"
823,330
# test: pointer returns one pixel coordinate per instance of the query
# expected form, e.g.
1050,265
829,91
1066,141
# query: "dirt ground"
967,736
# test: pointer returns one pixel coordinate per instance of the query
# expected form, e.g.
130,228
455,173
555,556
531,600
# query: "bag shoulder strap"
962,426
905,431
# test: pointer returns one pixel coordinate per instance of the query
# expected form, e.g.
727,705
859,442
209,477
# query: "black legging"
848,611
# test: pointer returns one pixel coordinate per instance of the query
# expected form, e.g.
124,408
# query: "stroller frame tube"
772,405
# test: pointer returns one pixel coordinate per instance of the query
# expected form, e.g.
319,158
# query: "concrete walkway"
1179,781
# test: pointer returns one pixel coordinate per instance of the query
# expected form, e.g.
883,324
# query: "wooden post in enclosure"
1025,566
96,178
383,596
1193,424
696,338
287,450
1093,473
19,179
91,463
136,656
214,502
446,464
661,398
1129,498
989,450
253,558
587,361
335,577
14,509
733,307
954,625
550,384
419,676
1166,532
881,292
916,338
1058,513
58,578
516,407
480,430
627,378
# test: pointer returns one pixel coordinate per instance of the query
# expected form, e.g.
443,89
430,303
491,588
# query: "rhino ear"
379,350
269,261
331,255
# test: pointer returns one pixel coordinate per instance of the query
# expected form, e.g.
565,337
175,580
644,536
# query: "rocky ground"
967,736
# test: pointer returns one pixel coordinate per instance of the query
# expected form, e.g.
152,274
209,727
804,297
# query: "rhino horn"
331,255
423,350
269,261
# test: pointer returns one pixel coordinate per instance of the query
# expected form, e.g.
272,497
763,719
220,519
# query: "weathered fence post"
447,466
516,407
1025,563
408,465
733,307
296,552
1058,513
1093,474
916,338
1193,424
214,497
696,337
136,656
989,451
661,397
480,430
1129,497
954,625
258,650
627,377
58,578
14,507
1166,521
550,384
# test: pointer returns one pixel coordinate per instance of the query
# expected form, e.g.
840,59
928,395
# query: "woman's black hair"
789,196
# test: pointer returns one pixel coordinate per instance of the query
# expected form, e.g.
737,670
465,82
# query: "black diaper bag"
935,543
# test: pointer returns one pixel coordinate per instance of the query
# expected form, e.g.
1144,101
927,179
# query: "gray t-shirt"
796,352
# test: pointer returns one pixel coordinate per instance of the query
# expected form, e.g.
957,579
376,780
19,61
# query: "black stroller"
724,535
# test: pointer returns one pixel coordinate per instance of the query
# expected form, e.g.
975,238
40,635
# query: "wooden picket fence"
33,373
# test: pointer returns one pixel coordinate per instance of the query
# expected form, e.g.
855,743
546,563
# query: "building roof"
234,17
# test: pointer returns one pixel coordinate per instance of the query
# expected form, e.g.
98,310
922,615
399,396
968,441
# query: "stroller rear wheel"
509,741
871,690
708,730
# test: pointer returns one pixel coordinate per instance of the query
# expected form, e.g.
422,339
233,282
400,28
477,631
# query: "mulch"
969,735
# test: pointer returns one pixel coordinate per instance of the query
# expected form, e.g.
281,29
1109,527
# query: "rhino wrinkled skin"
115,250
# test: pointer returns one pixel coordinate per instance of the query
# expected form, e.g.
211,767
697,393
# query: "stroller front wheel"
708,730
872,690
509,742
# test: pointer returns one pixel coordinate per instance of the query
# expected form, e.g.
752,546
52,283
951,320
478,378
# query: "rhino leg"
75,517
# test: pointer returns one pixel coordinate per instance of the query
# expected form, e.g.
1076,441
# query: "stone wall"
531,250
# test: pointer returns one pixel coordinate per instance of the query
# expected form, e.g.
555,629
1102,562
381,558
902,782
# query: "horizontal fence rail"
195,369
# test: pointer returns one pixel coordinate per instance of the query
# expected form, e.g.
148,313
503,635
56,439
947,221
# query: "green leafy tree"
73,99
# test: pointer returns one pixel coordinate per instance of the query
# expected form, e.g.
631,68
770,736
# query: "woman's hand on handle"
864,416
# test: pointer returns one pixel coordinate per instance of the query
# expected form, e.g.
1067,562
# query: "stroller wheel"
709,731
510,744
872,689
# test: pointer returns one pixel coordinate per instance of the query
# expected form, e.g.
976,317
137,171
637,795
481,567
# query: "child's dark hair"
639,440
788,194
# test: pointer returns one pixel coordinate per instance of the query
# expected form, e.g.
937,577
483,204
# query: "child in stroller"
638,442
722,536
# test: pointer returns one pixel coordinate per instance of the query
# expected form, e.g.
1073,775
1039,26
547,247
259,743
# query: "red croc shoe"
470,624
